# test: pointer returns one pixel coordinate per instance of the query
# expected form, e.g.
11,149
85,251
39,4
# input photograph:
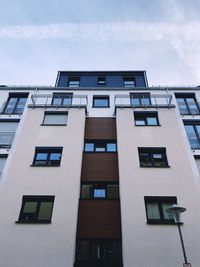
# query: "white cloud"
184,38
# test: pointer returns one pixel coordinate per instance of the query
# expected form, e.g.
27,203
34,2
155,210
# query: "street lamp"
175,211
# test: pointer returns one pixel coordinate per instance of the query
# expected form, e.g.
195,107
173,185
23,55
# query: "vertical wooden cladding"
99,219
100,128
100,167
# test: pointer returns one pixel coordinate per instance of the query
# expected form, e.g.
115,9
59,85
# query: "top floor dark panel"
100,79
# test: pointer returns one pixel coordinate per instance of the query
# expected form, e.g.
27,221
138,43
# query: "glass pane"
101,102
30,207
189,128
113,191
55,156
111,147
57,101
67,101
85,190
89,147
167,216
58,119
145,101
135,101
152,121
153,211
157,156
99,193
145,160
45,211
139,122
41,156
100,147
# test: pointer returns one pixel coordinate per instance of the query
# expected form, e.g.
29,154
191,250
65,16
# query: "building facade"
89,167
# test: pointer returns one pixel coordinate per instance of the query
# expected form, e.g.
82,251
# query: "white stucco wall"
156,245
27,245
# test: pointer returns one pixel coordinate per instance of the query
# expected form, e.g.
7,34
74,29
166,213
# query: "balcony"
143,100
47,101
6,139
194,141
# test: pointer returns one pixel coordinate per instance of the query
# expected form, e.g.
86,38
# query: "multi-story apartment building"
89,167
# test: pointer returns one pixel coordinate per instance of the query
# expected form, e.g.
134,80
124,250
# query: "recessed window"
187,104
101,101
140,99
7,132
62,99
152,157
100,146
156,209
15,103
36,209
129,82
193,133
47,156
74,82
101,81
146,118
55,118
99,191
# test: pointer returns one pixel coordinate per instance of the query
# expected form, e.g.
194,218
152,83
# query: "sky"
40,37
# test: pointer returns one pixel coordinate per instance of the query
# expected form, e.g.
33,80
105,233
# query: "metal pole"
182,243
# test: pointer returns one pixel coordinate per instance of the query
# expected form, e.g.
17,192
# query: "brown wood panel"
100,128
100,167
99,219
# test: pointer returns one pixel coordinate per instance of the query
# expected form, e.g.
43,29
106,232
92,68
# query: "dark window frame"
62,97
103,97
144,115
48,151
160,200
194,124
186,104
16,96
35,215
140,97
151,151
98,142
54,113
101,80
101,186
129,79
73,79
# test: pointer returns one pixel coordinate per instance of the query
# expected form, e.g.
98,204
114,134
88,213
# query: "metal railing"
47,100
154,100
194,141
6,139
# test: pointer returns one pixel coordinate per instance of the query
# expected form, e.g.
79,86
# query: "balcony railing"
154,101
6,139
46,101
194,141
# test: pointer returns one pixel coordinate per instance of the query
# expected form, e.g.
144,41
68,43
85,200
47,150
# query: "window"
99,191
15,103
36,209
140,99
7,132
101,101
152,157
129,82
146,118
187,104
55,118
3,159
62,99
193,132
101,81
100,146
74,82
47,156
155,209
99,250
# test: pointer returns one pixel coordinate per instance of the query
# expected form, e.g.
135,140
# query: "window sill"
101,107
104,199
162,222
32,165
52,124
148,125
32,222
155,166
99,152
